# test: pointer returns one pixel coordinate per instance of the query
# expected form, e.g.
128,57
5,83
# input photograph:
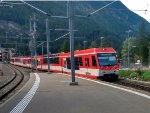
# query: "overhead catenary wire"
43,11
12,3
35,8
102,8
61,37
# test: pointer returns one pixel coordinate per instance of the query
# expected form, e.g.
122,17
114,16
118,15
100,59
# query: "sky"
136,5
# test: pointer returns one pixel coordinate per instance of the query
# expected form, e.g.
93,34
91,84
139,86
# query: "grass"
135,74
125,73
146,76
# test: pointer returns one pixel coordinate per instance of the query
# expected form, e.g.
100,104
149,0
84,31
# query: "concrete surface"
55,95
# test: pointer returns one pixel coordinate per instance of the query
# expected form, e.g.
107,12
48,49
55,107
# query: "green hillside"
111,23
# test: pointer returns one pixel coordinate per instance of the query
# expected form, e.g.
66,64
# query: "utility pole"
19,50
34,41
16,47
101,41
48,40
84,44
21,37
42,49
31,43
71,29
6,36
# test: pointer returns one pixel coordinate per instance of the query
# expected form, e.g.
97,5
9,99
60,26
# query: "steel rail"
5,94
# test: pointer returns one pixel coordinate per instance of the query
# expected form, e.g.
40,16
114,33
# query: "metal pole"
6,36
34,41
16,47
19,49
31,46
67,8
1,51
71,27
128,51
101,42
21,38
42,49
84,44
48,38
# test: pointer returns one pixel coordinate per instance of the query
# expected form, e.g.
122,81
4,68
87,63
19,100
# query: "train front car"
108,63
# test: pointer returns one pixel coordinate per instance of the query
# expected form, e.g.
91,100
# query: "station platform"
51,93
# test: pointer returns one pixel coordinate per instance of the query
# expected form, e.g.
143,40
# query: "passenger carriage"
92,63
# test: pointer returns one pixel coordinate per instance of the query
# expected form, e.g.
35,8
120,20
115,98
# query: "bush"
125,73
137,74
134,75
146,76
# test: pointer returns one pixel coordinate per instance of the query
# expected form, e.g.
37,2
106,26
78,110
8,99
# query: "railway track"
134,84
8,87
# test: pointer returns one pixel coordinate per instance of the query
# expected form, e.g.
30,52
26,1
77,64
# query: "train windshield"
107,59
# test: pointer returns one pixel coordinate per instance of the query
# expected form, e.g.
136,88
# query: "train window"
54,60
76,64
38,62
44,60
80,61
94,61
12,60
34,62
68,63
107,59
51,60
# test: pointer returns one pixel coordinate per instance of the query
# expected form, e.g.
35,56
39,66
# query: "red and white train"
90,63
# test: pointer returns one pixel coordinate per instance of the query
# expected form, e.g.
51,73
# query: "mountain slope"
111,23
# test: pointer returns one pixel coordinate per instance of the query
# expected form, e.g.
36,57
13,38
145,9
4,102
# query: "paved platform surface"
55,95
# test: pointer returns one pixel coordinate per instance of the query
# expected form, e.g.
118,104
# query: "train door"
93,65
61,63
64,66
40,63
87,64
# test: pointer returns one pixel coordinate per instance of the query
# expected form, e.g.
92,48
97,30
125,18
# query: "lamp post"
6,36
84,42
101,40
48,39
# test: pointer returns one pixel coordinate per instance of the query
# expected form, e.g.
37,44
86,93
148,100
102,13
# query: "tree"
93,44
79,46
65,46
142,43
128,43
149,53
